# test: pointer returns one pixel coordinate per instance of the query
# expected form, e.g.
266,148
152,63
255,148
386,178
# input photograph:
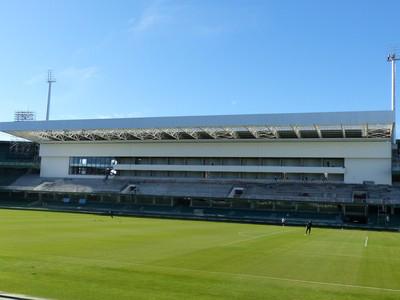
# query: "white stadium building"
340,147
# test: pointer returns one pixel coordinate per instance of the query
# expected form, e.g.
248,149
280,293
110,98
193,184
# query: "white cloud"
146,22
35,79
152,16
77,74
182,15
209,30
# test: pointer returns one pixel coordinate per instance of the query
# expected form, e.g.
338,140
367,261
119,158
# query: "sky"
168,58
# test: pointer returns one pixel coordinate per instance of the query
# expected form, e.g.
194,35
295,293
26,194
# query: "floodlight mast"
50,80
392,58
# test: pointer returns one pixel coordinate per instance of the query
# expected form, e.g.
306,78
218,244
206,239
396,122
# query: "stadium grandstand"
17,158
335,168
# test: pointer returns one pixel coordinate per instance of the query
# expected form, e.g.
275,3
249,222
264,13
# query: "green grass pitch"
79,256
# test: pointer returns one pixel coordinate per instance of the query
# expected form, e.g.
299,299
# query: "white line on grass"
250,238
366,242
4,295
281,279
197,271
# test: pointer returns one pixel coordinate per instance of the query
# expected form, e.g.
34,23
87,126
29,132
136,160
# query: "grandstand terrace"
327,204
335,168
16,159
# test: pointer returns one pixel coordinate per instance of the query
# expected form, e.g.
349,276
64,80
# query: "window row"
87,171
233,161
217,161
90,161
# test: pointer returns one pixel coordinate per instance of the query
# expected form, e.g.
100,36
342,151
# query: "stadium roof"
363,124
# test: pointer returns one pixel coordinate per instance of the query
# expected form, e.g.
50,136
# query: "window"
90,165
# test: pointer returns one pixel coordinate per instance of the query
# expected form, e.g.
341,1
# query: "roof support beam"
318,131
343,131
274,131
192,133
383,131
365,131
296,131
251,132
171,133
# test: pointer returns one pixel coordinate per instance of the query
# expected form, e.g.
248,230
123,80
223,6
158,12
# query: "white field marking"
366,242
255,237
4,295
340,255
250,235
283,279
310,282
330,254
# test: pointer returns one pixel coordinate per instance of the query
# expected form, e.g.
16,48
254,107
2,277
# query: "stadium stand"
338,205
17,159
334,168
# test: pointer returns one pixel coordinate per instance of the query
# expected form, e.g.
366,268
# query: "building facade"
347,147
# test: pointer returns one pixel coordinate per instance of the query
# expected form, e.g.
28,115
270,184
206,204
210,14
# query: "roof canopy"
370,124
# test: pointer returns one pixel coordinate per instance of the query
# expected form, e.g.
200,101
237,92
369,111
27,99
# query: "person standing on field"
308,227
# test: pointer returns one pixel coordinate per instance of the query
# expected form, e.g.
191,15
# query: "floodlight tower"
392,58
50,80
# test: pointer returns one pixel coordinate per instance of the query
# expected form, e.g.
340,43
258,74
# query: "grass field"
77,256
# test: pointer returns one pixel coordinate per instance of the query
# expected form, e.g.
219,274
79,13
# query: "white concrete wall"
364,160
368,169
54,166
359,149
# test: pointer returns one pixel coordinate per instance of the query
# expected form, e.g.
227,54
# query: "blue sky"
161,57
